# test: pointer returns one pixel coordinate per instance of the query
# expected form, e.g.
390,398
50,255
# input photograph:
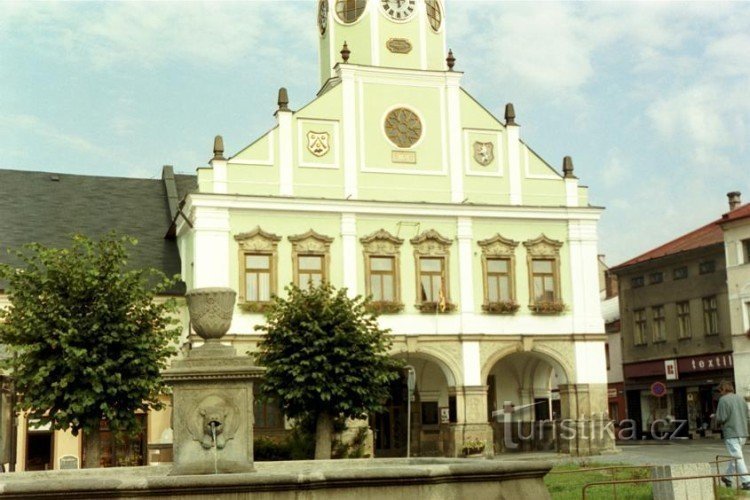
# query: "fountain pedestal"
212,393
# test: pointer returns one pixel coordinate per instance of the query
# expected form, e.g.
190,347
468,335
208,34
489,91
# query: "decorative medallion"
403,128
318,143
484,153
398,45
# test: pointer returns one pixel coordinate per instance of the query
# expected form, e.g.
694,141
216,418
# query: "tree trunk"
92,453
323,436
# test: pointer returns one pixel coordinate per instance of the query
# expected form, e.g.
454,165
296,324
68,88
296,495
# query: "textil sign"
705,363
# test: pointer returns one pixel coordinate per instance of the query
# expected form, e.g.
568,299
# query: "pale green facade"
393,147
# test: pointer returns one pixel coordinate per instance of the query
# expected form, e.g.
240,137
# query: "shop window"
658,326
310,258
431,253
710,316
684,330
656,278
707,266
498,265
119,449
543,259
680,273
257,265
382,267
639,327
637,281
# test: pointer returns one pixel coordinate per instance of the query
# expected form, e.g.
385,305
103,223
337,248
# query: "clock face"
399,10
323,16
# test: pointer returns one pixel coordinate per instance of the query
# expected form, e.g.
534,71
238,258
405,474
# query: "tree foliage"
325,354
86,339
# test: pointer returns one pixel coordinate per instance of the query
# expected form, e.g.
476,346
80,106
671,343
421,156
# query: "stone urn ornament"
211,311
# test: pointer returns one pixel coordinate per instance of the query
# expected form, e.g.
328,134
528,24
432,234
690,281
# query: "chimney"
734,200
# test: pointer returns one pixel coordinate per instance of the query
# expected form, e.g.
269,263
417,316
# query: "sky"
651,99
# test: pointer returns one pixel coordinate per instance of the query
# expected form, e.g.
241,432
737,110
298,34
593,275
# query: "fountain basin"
359,479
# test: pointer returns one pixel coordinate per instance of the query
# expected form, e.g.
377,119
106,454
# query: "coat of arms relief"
484,153
318,143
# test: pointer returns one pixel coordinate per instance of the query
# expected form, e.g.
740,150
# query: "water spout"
213,425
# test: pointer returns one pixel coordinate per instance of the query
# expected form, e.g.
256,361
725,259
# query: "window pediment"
257,240
431,242
381,242
543,247
498,246
311,242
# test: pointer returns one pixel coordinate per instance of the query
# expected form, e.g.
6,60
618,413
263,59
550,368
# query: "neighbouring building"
613,347
736,226
676,332
48,208
394,182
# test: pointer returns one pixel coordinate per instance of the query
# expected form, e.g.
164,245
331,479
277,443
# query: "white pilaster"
286,170
220,175
591,363
374,32
513,146
571,191
455,143
349,125
211,248
584,275
472,368
349,251
465,268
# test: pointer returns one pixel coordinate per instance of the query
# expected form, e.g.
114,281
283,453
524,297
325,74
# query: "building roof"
710,234
48,208
738,213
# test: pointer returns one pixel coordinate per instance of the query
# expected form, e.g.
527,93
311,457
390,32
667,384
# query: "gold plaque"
403,157
398,45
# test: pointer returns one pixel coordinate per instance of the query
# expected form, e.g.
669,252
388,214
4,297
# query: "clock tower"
408,34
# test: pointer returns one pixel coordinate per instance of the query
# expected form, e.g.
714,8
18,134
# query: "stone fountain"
213,393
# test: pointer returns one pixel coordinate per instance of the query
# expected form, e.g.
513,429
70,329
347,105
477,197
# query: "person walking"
732,416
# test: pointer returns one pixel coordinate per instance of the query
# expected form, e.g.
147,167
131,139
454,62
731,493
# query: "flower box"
255,307
434,307
502,307
547,307
385,307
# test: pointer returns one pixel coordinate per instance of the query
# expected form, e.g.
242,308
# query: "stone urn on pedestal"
212,393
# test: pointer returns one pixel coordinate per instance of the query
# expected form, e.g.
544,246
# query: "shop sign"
710,362
612,392
658,389
670,369
445,415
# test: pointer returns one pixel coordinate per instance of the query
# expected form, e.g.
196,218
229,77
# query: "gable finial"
219,148
510,114
450,60
283,100
345,53
568,168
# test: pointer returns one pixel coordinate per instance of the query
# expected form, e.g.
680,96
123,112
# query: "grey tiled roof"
47,208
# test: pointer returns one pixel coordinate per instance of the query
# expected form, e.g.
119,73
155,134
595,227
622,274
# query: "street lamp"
410,384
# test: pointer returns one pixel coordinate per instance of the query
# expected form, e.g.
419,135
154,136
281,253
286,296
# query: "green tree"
86,338
326,358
